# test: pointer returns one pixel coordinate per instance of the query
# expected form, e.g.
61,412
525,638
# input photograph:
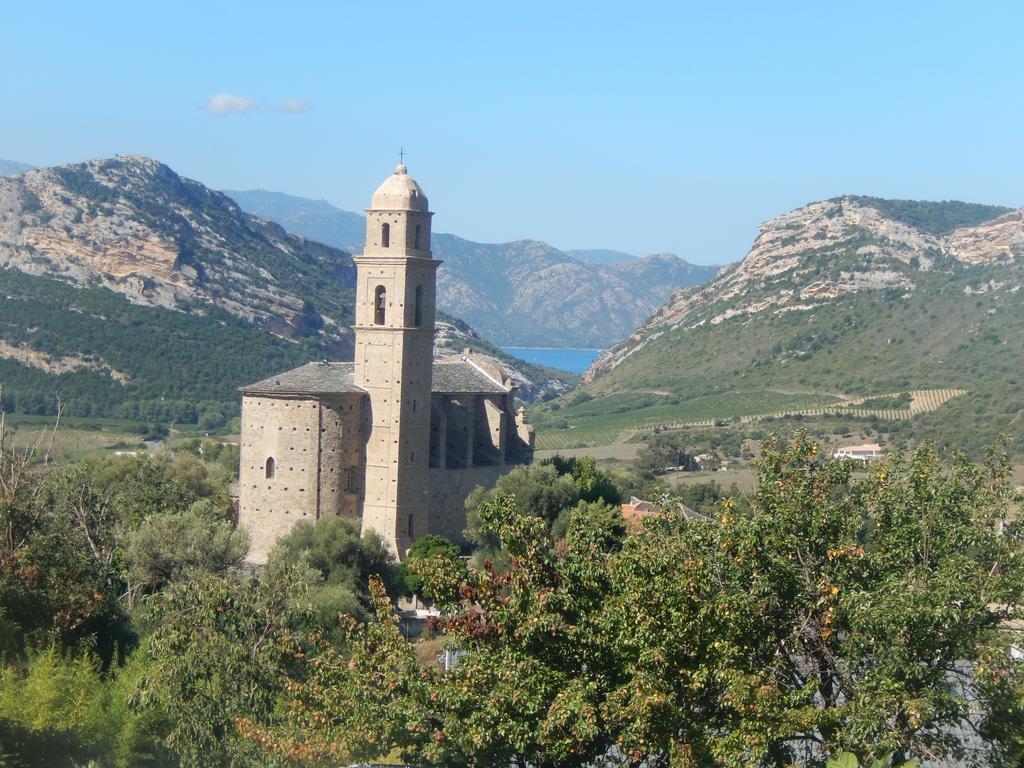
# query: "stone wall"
448,491
286,432
341,456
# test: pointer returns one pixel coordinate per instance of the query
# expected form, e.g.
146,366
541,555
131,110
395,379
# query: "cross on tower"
401,155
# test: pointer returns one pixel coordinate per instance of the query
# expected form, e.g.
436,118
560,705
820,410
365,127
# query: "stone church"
397,438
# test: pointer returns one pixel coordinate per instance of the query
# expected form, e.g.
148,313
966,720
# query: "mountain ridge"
879,252
843,299
520,293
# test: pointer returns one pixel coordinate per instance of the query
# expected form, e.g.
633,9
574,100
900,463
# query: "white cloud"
295,106
223,104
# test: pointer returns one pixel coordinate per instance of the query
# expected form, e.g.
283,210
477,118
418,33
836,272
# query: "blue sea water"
574,360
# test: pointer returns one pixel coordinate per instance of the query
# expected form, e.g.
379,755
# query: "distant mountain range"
10,167
601,256
133,292
523,293
855,296
316,219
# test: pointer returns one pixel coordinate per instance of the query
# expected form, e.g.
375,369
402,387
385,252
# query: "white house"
867,452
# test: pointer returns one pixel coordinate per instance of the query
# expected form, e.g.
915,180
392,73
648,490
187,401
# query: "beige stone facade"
396,438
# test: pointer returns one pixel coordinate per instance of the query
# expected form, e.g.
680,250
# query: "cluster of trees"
553,491
864,621
937,218
679,449
131,633
832,617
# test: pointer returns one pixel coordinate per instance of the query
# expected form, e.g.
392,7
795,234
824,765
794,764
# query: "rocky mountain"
126,286
134,226
527,293
10,167
600,256
523,293
852,295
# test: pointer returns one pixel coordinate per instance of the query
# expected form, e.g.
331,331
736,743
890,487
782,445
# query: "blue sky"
636,126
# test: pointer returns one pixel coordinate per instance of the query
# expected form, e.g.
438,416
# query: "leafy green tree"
62,710
139,486
598,515
167,546
222,648
57,702
592,483
352,706
538,490
56,585
424,548
339,562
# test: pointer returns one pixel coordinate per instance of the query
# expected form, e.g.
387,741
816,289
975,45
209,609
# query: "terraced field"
606,421
601,422
921,401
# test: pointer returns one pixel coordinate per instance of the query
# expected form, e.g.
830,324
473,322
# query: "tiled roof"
309,379
455,377
461,377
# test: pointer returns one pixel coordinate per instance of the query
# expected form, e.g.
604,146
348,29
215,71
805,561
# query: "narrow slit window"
380,305
271,467
418,319
416,238
410,526
385,236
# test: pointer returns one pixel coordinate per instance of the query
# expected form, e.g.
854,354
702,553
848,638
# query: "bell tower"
394,350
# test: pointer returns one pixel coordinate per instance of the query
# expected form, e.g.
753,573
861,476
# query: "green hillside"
178,365
935,218
767,333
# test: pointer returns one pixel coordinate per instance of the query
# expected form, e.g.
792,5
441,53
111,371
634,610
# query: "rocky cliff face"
807,258
133,225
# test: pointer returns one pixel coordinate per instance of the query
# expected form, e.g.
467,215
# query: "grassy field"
69,443
743,478
82,438
605,420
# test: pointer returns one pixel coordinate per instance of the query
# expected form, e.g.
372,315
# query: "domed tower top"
399,192
398,219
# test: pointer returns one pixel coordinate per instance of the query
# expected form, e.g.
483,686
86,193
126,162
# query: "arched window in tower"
271,467
380,304
418,317
385,235
416,238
